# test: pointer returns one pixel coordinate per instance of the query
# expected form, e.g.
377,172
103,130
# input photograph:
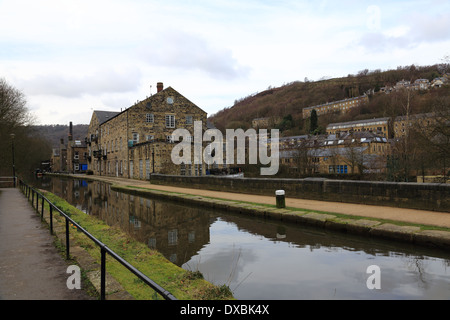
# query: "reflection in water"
265,259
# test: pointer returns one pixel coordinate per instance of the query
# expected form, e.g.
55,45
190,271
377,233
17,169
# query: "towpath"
425,217
31,268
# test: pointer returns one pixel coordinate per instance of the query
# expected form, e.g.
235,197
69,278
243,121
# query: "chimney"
160,86
70,132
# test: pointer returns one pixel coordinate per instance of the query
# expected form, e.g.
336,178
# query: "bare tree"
353,153
13,111
432,136
15,121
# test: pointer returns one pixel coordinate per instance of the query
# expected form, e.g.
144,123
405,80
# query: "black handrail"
27,190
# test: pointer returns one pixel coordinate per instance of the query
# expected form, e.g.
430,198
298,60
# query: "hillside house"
336,106
356,152
381,126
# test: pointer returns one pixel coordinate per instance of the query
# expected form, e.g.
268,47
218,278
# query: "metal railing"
30,191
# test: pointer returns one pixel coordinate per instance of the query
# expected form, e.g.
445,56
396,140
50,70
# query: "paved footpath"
30,266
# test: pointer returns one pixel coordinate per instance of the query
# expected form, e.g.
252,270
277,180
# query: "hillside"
54,133
284,104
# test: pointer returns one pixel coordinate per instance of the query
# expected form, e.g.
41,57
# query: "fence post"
103,273
51,218
67,238
42,208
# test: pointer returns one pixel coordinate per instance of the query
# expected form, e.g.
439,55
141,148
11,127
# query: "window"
135,137
131,169
149,118
150,137
170,121
189,169
76,156
147,168
342,169
189,120
198,169
172,237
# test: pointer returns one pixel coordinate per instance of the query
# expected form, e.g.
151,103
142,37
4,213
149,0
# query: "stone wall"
6,182
424,196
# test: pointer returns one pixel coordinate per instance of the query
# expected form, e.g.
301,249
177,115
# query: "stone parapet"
422,196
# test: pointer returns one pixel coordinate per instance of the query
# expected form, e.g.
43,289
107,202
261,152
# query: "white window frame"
149,118
170,121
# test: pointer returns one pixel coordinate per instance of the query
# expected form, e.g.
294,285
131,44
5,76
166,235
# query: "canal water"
266,259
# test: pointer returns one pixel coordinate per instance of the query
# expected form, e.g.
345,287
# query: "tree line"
17,134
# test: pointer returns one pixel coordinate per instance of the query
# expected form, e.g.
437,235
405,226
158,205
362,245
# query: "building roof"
357,123
104,116
336,102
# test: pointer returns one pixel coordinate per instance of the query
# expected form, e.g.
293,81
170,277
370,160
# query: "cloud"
74,86
430,28
181,50
411,31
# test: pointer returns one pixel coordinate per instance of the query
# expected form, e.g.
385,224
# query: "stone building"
260,123
402,123
139,140
336,106
71,158
387,127
380,126
58,159
357,152
265,123
77,157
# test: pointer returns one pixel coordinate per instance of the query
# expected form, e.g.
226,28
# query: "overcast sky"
72,57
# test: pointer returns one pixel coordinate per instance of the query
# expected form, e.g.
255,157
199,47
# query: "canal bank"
420,227
121,284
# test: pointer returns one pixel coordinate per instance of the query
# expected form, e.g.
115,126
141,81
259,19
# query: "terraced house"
138,141
341,153
336,106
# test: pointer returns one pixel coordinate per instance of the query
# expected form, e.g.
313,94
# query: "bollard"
281,203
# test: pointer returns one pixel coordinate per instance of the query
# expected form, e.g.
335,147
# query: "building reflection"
178,232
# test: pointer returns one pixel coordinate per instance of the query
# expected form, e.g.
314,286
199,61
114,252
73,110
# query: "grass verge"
183,284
